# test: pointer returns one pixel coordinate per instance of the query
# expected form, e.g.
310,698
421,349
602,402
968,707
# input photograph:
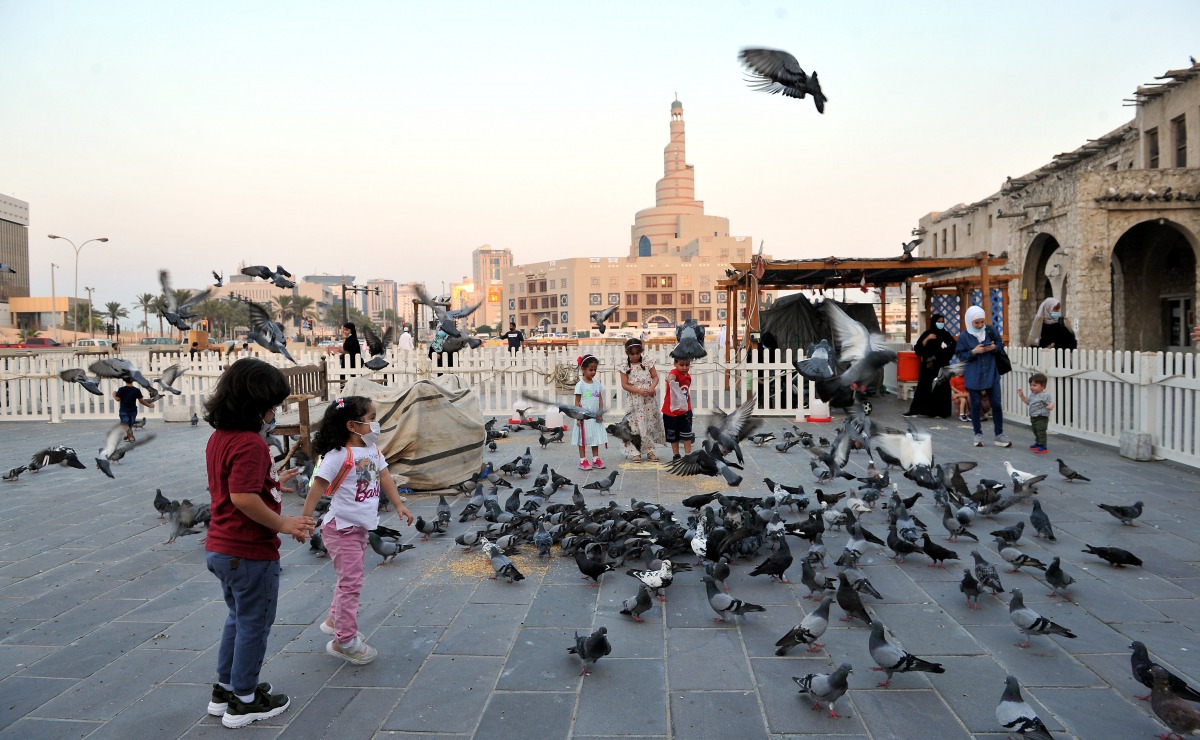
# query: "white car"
94,343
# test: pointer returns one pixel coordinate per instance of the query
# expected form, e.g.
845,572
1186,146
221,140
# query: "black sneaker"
221,698
909,414
264,706
676,457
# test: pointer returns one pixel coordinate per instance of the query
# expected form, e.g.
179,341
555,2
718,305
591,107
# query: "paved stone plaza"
105,632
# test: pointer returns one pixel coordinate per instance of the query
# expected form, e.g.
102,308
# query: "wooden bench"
307,382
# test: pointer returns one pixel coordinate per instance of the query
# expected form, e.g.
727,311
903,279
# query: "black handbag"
1003,364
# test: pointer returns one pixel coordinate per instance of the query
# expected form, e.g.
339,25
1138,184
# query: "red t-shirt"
959,383
685,382
240,462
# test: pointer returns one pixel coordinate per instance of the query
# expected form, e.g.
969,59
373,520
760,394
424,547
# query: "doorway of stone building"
1153,273
1042,270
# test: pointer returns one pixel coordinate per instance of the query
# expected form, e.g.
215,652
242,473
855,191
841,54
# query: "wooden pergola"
832,272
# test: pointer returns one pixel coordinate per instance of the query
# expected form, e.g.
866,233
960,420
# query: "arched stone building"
1112,228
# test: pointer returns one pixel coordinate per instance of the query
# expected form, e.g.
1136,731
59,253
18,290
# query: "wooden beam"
908,312
883,308
985,286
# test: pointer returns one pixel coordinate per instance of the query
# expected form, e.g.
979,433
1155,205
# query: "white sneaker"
357,652
979,440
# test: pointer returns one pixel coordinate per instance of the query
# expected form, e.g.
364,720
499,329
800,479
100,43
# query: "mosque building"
677,254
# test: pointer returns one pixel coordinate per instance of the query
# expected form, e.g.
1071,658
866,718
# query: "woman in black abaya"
935,350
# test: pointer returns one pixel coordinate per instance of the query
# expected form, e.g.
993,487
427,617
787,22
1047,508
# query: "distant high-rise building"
14,247
487,267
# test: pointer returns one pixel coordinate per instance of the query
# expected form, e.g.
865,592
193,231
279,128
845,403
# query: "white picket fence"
1099,394
32,389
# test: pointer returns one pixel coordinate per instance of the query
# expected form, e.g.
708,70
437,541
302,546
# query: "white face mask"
370,437
267,427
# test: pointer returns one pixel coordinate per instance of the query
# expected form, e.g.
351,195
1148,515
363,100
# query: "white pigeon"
1017,476
912,448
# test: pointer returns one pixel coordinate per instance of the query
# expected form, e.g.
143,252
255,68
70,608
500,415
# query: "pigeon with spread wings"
377,346
279,276
177,313
446,318
866,353
266,333
728,430
601,316
777,72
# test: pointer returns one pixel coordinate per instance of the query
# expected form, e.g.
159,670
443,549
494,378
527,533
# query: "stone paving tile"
600,694
111,689
789,713
30,727
402,650
527,716
74,623
344,713
1089,713
94,651
449,697
14,658
168,710
900,715
707,658
24,694
715,714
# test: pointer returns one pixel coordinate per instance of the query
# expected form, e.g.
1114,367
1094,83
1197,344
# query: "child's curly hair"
333,434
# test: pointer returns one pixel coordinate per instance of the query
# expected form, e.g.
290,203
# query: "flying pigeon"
377,346
777,72
820,361
1016,716
170,374
825,687
1030,622
910,247
57,455
278,276
866,352
75,375
591,648
182,519
4,267
174,312
219,277
689,338
118,367
267,333
728,430
601,316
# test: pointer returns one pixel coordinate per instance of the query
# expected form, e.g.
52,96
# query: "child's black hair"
588,360
1039,378
633,342
247,389
333,434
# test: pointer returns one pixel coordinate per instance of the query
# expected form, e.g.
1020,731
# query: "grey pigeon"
195,420
377,346
605,484
575,412
690,341
162,504
386,548
1017,717
1011,535
591,648
723,604
599,317
278,276
1041,522
867,353
954,525
1173,710
56,455
639,605
825,687
1058,579
819,363
728,430
501,565
118,367
1069,473
1125,513
5,267
14,473
542,539
1030,622
219,277
817,583
892,659
808,631
75,375
265,332
1016,558
443,510
970,588
910,247
986,573
1141,664
777,72
427,528
175,313
1115,556
182,519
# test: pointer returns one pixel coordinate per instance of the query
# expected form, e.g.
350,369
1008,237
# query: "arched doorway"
1042,278
1153,272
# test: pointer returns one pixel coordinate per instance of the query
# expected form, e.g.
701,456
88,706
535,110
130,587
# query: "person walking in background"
935,350
406,339
514,336
639,378
1040,405
677,408
1048,330
976,347
354,472
589,395
129,396
242,547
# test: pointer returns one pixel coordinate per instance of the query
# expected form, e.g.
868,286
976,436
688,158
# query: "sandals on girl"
652,457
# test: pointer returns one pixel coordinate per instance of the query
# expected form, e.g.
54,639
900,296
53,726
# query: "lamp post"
53,302
356,289
75,295
91,326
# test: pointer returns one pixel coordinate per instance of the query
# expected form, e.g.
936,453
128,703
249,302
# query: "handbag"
1003,363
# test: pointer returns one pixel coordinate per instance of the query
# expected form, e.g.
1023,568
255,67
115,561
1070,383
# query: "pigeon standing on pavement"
1175,712
1016,558
1125,513
724,604
1141,664
1115,556
605,484
1041,522
808,631
970,588
1058,579
591,648
1069,473
1030,622
501,565
1016,716
986,573
892,659
655,580
936,553
825,687
850,602
638,605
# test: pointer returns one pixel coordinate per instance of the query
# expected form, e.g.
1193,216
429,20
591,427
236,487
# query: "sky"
389,139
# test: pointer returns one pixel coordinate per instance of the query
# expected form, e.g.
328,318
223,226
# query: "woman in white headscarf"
1048,330
976,348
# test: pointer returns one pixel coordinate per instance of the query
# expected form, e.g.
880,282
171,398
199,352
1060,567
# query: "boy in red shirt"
677,408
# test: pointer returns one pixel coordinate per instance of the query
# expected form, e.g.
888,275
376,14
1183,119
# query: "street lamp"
91,326
75,321
356,289
53,302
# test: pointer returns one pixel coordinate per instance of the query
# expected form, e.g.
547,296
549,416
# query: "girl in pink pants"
353,472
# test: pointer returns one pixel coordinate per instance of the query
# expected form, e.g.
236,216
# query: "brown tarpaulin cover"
431,433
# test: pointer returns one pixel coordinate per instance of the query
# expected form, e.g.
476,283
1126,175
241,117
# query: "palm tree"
146,302
114,311
283,303
159,306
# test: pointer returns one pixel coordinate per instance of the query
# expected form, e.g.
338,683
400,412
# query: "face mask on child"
267,427
370,437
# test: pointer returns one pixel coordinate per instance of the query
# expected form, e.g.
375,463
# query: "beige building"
675,257
1112,229
487,268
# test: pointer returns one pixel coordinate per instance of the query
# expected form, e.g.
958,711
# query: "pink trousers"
347,548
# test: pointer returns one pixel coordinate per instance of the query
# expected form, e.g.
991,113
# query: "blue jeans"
251,590
128,417
997,408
